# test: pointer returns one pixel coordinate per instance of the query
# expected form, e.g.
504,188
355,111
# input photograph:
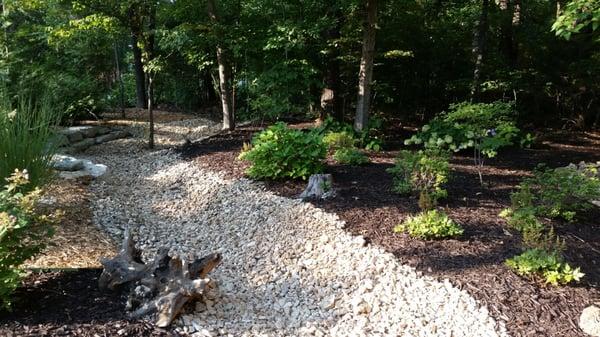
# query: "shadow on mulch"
69,303
475,262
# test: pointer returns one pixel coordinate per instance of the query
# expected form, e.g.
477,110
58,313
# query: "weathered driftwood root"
163,286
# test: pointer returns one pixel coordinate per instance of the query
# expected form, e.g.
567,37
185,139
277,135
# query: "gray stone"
83,145
94,170
66,163
589,321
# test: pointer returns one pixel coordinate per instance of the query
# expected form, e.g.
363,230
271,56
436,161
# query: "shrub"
430,224
423,172
25,133
547,265
350,156
339,140
22,232
560,192
280,152
484,127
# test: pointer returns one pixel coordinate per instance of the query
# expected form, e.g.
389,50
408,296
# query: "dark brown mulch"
474,262
69,303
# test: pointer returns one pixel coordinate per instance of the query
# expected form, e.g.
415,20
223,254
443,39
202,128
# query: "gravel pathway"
289,269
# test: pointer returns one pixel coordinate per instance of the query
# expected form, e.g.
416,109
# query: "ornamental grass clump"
23,232
26,133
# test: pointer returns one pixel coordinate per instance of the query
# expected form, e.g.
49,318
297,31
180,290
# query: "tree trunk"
479,39
150,112
365,74
150,75
224,71
120,79
331,102
138,69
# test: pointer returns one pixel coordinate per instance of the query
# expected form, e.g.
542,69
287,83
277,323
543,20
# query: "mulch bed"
69,303
475,262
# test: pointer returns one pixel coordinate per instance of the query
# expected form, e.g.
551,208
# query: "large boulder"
72,168
589,321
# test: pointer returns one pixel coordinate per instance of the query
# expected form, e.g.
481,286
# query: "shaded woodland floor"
476,261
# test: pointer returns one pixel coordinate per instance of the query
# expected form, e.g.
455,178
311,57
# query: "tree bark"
365,74
138,69
224,71
331,102
120,79
479,40
150,73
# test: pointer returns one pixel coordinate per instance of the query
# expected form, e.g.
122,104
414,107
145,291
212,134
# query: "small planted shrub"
23,232
422,172
546,265
350,156
339,140
430,224
484,127
553,193
280,152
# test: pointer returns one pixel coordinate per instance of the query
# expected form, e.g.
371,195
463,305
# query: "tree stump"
162,286
319,187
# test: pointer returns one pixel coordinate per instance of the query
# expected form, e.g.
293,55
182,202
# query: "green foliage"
23,232
350,156
25,133
339,140
560,192
280,152
430,224
87,107
577,16
424,172
547,265
486,127
554,193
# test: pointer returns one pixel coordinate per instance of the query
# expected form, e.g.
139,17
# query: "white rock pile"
289,269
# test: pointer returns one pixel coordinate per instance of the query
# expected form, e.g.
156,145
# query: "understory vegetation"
280,152
431,224
23,231
550,193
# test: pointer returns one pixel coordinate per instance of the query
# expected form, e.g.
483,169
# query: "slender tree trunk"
479,39
365,74
120,79
138,69
149,48
150,112
331,102
224,72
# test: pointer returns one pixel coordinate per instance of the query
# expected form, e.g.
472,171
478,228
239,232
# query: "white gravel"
289,269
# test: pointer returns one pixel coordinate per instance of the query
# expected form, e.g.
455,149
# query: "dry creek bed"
289,268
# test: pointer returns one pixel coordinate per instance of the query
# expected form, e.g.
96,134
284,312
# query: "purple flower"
491,132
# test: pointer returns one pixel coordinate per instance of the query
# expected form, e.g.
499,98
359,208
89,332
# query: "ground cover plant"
431,224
